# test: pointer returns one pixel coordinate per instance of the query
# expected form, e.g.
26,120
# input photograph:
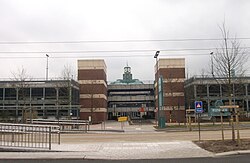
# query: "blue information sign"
198,107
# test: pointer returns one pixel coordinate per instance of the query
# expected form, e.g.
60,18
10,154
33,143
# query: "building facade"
92,79
209,90
172,71
21,100
130,97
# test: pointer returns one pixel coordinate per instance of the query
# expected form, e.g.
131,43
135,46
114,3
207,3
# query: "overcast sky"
115,20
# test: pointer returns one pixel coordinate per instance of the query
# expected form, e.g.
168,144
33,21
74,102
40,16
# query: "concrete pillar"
3,98
220,91
234,93
247,100
44,109
31,114
70,98
208,97
57,103
17,104
195,92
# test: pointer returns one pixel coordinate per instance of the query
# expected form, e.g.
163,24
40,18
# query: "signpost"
198,110
199,107
122,120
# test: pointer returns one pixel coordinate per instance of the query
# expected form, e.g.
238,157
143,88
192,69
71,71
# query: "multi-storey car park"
210,90
24,99
130,97
93,97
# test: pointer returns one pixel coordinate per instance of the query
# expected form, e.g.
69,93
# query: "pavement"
136,142
115,151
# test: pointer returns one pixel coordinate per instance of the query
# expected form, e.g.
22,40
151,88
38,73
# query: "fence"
65,125
28,135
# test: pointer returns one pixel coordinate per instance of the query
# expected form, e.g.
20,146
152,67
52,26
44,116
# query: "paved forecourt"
129,150
137,142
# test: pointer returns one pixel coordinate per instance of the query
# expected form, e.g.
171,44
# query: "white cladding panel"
92,64
170,63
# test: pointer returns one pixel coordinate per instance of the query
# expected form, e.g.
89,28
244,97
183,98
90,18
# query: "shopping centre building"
93,98
130,97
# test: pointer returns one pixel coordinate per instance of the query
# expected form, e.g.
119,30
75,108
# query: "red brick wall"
173,101
96,117
173,78
97,103
173,87
175,116
93,89
97,87
173,72
92,74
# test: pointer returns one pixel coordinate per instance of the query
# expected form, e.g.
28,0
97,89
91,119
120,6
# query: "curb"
42,155
91,131
193,129
232,153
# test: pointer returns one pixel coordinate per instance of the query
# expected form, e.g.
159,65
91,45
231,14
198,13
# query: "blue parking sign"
198,107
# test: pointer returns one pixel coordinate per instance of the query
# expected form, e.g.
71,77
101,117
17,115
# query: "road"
148,136
228,159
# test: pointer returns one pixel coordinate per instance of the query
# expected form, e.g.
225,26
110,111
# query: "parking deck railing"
29,135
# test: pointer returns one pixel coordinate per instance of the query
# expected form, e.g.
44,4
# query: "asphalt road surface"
228,159
147,136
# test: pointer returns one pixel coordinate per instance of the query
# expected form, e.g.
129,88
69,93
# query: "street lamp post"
47,67
212,63
157,89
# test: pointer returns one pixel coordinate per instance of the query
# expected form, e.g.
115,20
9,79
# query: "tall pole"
212,63
47,67
157,89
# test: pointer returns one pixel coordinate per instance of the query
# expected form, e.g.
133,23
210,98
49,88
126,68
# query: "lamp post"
47,67
212,63
157,89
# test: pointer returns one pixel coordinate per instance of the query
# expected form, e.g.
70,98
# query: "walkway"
136,142
129,150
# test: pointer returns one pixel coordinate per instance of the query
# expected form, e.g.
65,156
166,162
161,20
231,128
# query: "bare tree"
20,79
63,89
229,58
67,72
228,62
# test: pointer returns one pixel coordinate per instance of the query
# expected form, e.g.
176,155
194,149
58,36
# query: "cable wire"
119,41
112,51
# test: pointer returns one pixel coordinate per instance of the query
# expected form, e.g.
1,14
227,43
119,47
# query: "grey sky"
72,20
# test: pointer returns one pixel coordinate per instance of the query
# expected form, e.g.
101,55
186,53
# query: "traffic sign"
122,119
198,107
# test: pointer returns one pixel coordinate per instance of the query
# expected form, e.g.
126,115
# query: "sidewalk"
114,126
135,142
116,151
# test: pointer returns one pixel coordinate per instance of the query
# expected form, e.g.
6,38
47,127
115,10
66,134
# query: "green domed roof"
127,78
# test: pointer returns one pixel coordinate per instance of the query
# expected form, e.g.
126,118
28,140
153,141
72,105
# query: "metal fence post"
59,136
49,138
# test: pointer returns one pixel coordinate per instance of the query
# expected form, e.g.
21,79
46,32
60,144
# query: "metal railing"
28,135
65,125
